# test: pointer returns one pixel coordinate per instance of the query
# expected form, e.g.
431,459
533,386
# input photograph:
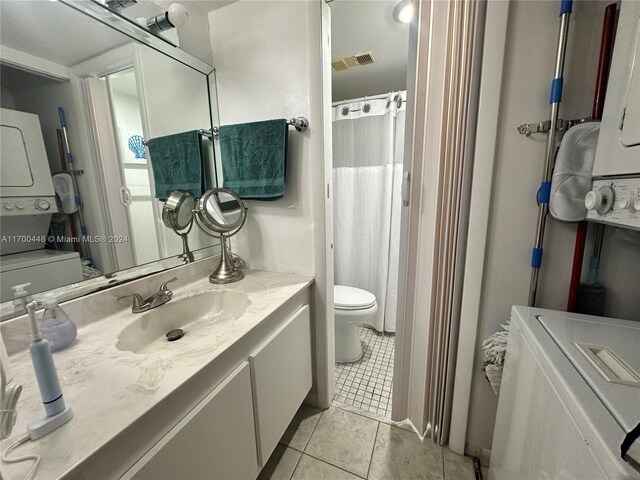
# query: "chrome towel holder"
299,123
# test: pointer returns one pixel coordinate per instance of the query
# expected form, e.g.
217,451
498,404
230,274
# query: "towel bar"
202,131
299,123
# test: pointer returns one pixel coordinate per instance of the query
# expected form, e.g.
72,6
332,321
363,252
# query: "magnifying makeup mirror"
177,214
222,212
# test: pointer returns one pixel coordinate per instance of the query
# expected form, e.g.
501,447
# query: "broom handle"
602,78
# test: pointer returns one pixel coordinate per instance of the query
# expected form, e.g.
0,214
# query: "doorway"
369,55
136,195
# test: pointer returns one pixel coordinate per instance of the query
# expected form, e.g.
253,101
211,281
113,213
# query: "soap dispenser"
21,298
56,326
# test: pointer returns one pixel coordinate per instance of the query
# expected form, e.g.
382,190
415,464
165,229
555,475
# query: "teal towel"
254,157
176,161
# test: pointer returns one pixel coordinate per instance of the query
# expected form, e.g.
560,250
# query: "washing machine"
615,195
569,405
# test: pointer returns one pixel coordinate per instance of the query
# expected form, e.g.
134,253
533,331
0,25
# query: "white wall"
194,37
529,62
263,74
268,60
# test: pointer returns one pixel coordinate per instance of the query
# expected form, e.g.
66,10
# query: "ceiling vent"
350,61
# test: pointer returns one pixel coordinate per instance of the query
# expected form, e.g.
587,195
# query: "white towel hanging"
571,179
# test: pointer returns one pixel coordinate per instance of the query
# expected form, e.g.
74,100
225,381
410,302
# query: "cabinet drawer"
282,377
216,440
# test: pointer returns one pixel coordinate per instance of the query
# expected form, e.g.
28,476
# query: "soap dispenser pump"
21,298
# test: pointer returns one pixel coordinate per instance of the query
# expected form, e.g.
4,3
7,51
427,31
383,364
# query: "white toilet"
353,306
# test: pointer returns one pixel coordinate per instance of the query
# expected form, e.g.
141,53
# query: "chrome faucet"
161,297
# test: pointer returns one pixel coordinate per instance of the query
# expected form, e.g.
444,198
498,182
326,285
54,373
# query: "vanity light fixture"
403,11
176,16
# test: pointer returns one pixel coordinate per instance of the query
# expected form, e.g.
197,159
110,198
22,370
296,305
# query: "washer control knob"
19,206
8,205
623,202
636,204
43,205
593,198
600,200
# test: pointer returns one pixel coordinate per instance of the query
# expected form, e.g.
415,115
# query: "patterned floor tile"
368,383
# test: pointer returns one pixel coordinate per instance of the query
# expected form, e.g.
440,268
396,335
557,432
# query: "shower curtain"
368,144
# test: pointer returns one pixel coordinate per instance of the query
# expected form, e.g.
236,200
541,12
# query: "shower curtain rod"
362,99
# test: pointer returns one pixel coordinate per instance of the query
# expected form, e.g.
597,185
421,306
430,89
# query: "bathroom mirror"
81,91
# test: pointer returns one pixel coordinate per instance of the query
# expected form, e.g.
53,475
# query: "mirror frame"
141,35
202,218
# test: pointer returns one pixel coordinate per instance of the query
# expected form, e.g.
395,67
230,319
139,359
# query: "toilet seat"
351,298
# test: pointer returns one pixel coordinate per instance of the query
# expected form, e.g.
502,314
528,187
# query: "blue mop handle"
63,123
543,196
71,162
565,6
63,120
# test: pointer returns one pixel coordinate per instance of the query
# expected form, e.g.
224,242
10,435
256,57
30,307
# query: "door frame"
108,156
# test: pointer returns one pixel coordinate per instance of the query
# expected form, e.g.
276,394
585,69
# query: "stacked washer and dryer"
615,195
28,202
569,403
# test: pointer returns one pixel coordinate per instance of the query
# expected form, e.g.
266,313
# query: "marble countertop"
109,389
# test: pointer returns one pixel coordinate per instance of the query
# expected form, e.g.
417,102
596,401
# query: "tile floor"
337,444
368,383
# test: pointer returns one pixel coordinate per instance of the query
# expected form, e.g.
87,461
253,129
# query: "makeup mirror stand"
186,255
209,217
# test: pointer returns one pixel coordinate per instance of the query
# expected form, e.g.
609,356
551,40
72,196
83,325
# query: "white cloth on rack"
571,179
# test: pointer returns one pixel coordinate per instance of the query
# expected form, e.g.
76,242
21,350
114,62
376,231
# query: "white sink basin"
194,314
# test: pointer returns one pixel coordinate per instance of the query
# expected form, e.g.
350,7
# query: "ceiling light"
403,11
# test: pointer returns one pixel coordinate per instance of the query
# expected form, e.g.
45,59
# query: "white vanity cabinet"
233,430
281,376
215,440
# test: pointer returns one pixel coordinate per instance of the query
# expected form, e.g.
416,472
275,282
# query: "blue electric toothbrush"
57,413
